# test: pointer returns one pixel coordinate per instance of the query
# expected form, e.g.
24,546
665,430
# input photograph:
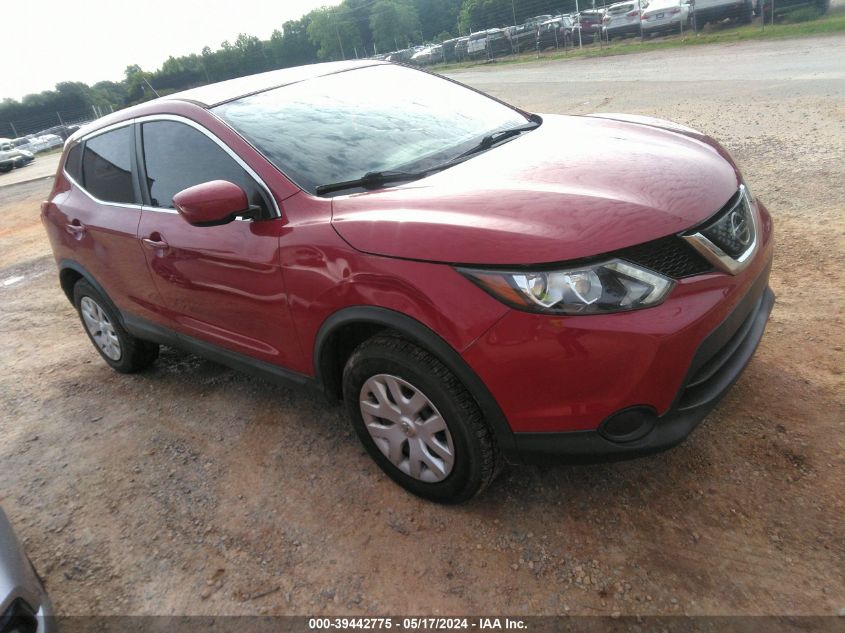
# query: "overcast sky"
48,41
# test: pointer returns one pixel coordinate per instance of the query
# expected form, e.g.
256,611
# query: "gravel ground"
192,489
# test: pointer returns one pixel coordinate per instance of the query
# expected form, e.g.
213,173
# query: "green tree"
334,32
291,46
438,16
138,84
394,23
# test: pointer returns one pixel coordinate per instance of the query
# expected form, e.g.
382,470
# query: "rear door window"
107,166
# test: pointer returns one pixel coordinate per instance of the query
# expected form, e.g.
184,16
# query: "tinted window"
177,157
107,166
341,126
73,164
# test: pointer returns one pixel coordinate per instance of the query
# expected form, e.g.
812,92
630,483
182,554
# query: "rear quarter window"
107,166
73,163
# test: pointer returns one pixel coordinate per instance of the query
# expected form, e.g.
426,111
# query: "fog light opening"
628,425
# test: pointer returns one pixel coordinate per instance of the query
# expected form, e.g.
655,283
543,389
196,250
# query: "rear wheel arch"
343,331
70,272
67,279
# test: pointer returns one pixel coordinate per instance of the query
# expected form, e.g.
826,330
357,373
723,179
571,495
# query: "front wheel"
417,420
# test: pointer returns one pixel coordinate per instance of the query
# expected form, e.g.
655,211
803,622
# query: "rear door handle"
155,241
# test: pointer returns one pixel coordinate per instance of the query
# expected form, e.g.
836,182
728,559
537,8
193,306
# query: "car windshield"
378,118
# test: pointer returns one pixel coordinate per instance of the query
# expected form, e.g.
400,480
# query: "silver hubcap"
407,428
100,328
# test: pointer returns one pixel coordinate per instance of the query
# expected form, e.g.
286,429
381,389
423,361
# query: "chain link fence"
46,122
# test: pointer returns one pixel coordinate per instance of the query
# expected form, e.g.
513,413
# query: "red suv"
427,254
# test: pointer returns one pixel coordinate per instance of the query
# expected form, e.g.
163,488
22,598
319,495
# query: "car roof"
221,92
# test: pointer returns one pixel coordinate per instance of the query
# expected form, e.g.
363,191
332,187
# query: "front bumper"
560,381
717,365
671,24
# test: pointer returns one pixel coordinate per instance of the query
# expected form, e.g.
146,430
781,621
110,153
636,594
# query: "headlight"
610,286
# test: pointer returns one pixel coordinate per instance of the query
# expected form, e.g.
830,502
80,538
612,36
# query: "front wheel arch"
371,320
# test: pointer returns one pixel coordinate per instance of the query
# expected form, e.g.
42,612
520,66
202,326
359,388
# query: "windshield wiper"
372,180
377,179
500,135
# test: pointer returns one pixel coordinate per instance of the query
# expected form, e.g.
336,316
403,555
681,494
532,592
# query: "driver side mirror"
211,203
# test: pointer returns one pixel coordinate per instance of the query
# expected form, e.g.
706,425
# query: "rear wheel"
122,351
417,420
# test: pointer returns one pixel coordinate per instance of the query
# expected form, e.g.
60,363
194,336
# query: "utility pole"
578,13
14,131
150,85
640,11
60,119
513,8
339,42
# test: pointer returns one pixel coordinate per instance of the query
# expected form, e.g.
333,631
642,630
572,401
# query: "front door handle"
76,228
155,241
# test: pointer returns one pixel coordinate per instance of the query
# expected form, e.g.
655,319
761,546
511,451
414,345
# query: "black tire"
476,457
135,354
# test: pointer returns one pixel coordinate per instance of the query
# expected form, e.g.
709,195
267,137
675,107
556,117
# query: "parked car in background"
421,58
17,154
477,45
783,7
449,53
36,145
430,55
590,22
621,19
498,43
713,11
470,291
404,55
7,162
461,45
665,16
523,37
559,32
490,43
52,140
24,604
537,20
24,157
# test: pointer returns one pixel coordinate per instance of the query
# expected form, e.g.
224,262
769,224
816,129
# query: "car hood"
574,187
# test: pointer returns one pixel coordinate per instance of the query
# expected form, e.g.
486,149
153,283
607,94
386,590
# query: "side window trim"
141,170
81,185
275,212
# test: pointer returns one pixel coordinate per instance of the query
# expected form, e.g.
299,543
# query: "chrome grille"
670,256
729,240
733,229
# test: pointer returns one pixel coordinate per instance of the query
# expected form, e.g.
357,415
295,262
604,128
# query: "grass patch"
803,14
798,23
